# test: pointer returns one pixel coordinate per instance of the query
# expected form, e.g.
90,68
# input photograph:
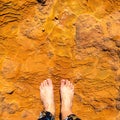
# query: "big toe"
63,82
69,85
41,86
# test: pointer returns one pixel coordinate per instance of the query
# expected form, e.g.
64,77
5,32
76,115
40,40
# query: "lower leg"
67,92
47,96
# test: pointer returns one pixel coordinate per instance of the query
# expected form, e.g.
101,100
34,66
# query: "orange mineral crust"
78,40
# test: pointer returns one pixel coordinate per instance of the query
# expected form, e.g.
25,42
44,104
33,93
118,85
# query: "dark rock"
42,2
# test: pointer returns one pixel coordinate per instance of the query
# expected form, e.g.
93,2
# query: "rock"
118,106
12,108
117,43
10,92
77,40
117,78
2,97
9,68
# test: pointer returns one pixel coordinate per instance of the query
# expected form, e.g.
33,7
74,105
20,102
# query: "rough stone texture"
77,40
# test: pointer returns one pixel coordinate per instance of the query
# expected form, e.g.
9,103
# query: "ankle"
66,113
51,110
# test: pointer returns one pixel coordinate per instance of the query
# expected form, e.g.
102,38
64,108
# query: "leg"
47,97
67,92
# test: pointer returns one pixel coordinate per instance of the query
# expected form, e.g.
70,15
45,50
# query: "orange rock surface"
77,40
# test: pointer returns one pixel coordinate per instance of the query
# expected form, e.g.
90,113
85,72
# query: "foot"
47,96
67,92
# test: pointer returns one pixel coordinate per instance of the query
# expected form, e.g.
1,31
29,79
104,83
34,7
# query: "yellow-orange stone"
77,40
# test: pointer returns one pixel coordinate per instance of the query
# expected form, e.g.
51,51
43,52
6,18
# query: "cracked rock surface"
77,40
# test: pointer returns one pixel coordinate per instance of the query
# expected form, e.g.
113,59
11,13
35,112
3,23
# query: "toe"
63,82
41,85
67,83
44,83
71,86
49,81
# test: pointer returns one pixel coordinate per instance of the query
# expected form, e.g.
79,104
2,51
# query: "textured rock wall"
74,39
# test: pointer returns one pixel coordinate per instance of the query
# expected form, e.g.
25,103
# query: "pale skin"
47,96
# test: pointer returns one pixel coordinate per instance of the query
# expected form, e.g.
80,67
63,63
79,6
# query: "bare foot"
67,92
47,96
